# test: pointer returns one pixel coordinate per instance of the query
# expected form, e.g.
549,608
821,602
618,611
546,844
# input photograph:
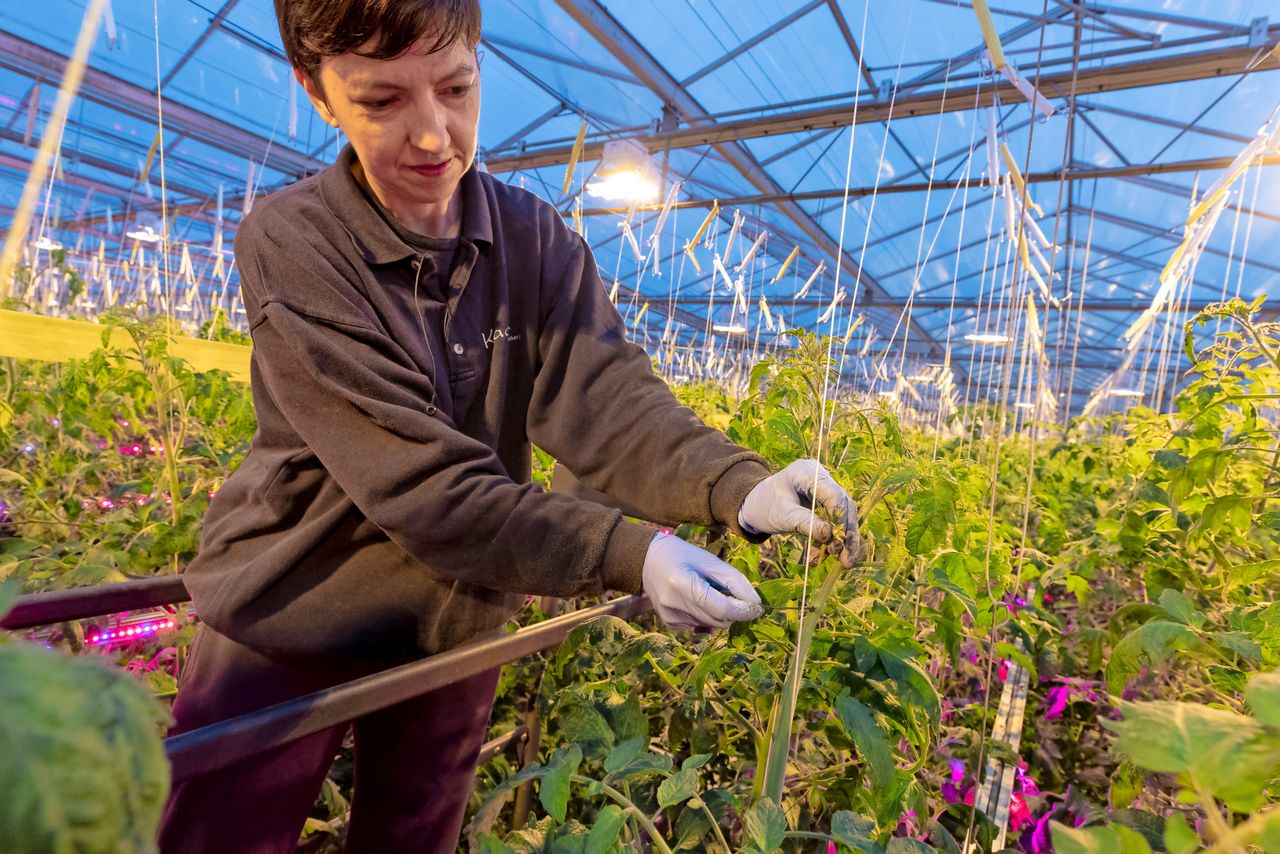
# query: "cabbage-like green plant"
84,768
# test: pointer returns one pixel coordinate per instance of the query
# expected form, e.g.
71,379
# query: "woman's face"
412,120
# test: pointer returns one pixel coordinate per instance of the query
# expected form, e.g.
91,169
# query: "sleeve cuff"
624,556
731,490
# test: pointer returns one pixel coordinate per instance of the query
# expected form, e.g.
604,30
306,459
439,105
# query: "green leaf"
1097,840
692,828
766,825
1240,643
1152,643
906,845
1233,756
1169,459
678,788
604,833
1263,694
491,844
1149,825
872,741
1179,838
626,717
933,512
1248,573
855,831
697,760
625,752
581,723
630,759
9,591
1178,606
1269,838
554,789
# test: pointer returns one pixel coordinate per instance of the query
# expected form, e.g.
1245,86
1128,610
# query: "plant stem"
625,802
808,834
784,712
1222,835
1242,834
715,825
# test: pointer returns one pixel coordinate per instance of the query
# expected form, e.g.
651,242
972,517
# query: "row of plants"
1128,564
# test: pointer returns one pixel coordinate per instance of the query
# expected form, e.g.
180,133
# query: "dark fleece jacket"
376,518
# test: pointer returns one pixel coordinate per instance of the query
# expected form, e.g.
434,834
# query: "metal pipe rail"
218,745
202,750
43,609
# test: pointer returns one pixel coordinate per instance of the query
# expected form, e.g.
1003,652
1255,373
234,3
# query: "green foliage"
84,769
109,462
1230,755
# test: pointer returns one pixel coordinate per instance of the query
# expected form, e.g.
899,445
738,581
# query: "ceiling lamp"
624,174
144,234
995,339
47,244
730,328
1126,392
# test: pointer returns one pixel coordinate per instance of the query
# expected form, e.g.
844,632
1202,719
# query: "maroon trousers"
414,762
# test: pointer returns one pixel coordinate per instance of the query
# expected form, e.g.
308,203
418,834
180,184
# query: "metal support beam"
596,20
30,59
765,34
558,59
854,50
214,23
1076,174
1199,65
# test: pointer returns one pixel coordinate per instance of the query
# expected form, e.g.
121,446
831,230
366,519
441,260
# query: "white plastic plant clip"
740,295
718,268
292,83
813,277
993,159
733,232
661,222
751,253
248,190
1039,103
631,241
831,309
764,310
109,22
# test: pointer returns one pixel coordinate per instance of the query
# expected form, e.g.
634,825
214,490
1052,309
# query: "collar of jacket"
376,242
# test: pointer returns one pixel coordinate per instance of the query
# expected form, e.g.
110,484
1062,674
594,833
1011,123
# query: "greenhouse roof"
842,127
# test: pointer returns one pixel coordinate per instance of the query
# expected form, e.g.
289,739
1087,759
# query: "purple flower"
1058,698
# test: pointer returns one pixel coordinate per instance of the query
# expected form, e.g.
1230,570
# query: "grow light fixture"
995,339
1126,392
145,234
730,328
1022,404
624,174
47,244
129,633
920,378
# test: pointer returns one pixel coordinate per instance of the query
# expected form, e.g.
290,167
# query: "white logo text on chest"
495,335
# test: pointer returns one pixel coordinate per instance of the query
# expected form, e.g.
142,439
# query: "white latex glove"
690,588
782,504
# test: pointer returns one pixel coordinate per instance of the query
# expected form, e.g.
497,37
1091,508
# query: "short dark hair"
315,29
